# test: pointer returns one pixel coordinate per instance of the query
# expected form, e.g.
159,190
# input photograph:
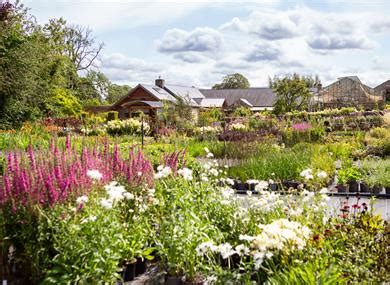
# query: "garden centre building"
150,98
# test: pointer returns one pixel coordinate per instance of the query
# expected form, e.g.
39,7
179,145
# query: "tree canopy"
233,81
41,67
292,92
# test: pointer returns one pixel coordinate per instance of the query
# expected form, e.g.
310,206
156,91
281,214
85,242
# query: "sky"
196,43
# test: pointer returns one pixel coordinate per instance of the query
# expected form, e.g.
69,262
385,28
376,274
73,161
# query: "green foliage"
116,92
38,68
233,81
209,116
63,104
292,93
242,111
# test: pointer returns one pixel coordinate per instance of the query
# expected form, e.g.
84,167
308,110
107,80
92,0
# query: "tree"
292,93
116,92
233,81
74,41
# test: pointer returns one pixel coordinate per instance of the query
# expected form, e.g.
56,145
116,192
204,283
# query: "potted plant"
353,176
341,181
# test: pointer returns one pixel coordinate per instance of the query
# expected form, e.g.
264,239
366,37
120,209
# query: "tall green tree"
39,67
116,92
292,93
233,81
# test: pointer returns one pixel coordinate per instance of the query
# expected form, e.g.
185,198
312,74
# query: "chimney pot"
160,82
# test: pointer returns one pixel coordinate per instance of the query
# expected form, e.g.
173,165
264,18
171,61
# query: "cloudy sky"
198,42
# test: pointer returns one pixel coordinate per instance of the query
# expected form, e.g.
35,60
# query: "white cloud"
263,52
198,40
337,42
266,25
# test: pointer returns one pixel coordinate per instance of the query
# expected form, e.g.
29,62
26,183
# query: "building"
150,99
384,90
348,91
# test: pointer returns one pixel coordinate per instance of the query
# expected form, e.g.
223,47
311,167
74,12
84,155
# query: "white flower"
106,203
229,181
226,250
261,185
209,155
307,174
89,219
214,171
139,173
81,200
242,249
246,238
322,174
186,173
95,174
205,247
163,171
249,193
206,150
204,178
324,190
128,196
160,167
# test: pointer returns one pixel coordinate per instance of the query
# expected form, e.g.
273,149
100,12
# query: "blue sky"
198,42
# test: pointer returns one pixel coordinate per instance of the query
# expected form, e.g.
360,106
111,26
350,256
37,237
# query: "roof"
158,92
184,91
353,77
153,90
257,97
154,104
212,102
383,86
188,94
246,102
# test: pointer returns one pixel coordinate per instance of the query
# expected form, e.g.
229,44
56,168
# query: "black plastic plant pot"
353,186
129,272
173,280
291,184
341,188
274,187
376,189
387,190
240,186
364,188
140,266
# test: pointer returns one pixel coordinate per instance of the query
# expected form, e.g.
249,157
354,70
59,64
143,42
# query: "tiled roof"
257,97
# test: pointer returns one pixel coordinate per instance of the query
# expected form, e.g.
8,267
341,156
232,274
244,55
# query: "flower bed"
118,211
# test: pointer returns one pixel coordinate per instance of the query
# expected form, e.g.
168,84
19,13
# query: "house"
256,99
347,91
384,90
150,99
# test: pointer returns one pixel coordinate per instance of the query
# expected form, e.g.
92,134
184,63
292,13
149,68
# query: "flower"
261,185
106,203
205,247
226,250
209,155
322,174
94,174
163,171
307,174
81,200
242,250
186,173
128,196
246,238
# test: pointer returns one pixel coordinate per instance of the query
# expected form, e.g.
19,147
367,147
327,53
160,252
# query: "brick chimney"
159,82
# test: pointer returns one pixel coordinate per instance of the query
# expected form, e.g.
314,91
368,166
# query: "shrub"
127,127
